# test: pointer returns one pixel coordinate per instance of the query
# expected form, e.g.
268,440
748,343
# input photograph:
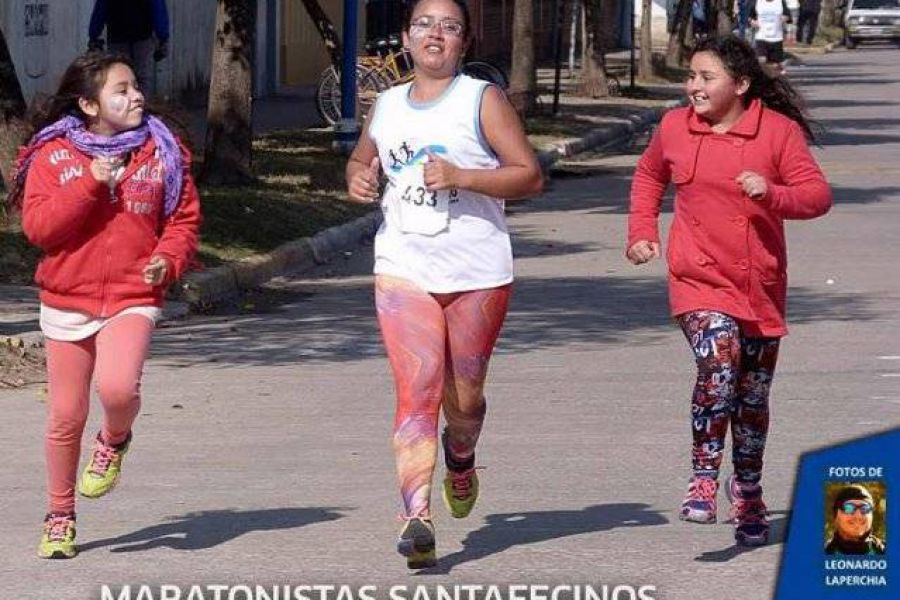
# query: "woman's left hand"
440,174
753,184
156,270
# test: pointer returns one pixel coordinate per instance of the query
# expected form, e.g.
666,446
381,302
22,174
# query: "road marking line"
889,357
890,374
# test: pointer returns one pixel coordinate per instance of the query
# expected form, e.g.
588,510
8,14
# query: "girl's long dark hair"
776,93
84,78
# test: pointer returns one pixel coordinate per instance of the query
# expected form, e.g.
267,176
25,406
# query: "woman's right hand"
642,251
363,186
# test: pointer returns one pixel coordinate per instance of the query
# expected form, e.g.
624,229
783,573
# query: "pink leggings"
115,357
439,346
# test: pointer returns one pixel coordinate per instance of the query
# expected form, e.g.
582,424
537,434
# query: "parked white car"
871,20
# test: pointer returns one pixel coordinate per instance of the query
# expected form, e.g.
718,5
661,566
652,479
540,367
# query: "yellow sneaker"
417,543
102,472
58,538
460,489
460,492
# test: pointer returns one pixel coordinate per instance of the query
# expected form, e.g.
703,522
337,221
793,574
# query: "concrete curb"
812,50
205,288
603,136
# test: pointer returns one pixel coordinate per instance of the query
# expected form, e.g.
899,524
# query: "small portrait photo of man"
855,518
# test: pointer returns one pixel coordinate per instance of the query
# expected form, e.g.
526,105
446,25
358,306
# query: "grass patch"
827,35
541,129
299,187
18,258
299,191
577,115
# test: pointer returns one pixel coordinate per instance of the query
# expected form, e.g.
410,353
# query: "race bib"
420,211
768,25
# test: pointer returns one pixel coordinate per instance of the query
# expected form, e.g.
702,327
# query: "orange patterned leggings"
439,346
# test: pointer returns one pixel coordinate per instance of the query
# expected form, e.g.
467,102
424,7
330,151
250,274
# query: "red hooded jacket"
97,245
726,251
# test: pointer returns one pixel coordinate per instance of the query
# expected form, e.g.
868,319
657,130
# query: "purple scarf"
105,146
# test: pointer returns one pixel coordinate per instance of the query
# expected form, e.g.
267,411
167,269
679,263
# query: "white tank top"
769,14
449,241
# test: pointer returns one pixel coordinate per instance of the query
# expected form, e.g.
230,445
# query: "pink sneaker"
699,504
748,513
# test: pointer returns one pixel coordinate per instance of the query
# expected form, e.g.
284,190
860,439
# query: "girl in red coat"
739,159
106,192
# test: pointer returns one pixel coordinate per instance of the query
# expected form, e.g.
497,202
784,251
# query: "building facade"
45,35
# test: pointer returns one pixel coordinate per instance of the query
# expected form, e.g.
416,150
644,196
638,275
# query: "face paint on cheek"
117,105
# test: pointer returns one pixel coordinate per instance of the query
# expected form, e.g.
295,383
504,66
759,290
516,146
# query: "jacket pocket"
687,260
683,161
771,267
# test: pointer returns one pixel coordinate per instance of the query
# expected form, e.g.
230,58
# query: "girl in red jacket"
106,192
739,159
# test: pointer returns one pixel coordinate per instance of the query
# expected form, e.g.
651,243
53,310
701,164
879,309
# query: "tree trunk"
522,81
575,9
13,126
592,82
645,67
583,23
229,132
724,19
326,30
677,39
609,23
830,15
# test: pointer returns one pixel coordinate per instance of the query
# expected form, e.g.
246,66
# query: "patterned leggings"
439,346
734,376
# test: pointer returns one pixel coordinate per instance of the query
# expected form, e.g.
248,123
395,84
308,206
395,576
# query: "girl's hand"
105,169
364,185
643,251
440,174
156,270
753,184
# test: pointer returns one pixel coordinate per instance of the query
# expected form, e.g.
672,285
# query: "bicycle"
328,93
387,64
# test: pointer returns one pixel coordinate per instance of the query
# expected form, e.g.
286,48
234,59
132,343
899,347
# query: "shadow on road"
858,79
200,530
504,531
879,124
340,324
847,195
778,528
330,317
839,103
833,138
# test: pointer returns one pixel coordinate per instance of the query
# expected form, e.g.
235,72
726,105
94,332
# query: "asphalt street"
262,453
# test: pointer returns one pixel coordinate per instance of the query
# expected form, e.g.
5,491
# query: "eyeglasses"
448,26
848,508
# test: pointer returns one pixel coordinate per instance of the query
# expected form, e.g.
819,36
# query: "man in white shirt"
768,18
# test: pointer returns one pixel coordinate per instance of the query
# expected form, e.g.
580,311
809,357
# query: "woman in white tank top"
453,151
